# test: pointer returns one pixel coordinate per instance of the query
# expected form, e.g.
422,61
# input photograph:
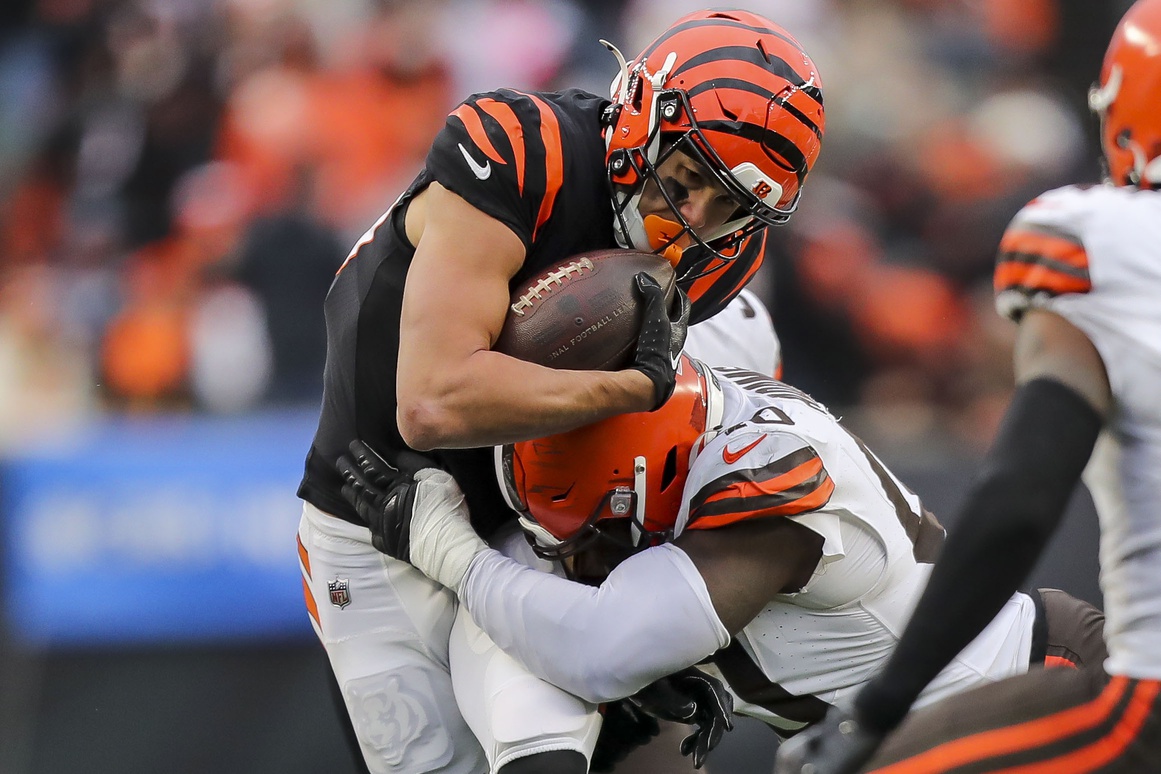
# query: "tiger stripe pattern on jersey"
522,134
794,484
553,160
469,116
1039,259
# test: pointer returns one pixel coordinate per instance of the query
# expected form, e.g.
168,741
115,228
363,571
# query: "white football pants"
426,689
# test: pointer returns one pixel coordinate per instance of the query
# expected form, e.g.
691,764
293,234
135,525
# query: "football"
584,313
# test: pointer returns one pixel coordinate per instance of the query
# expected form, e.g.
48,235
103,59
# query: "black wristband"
1015,505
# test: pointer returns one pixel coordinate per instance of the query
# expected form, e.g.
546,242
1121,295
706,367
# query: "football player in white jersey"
741,335
777,543
1080,270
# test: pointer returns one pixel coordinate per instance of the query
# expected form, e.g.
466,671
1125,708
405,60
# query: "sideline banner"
156,529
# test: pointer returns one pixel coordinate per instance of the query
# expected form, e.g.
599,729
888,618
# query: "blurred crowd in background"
180,179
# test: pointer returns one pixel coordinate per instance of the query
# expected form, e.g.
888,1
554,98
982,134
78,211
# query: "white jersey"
782,455
1093,256
741,335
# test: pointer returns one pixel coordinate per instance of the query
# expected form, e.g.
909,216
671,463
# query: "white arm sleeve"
651,617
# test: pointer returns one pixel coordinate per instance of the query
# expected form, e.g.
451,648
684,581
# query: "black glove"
661,337
382,494
839,744
623,730
695,698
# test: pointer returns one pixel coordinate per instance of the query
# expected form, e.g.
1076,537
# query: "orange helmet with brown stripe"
737,93
1127,96
629,467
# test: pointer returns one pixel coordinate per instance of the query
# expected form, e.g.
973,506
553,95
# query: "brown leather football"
584,313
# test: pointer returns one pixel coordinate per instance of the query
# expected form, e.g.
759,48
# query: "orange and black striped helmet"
1127,96
737,93
627,469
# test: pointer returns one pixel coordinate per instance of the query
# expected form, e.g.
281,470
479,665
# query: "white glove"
443,543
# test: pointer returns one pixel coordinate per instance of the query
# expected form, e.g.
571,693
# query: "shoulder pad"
754,472
1042,254
503,146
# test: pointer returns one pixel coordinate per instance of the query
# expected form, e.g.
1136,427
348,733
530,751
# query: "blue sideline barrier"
173,529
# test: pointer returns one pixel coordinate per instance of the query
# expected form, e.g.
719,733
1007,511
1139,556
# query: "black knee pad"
555,762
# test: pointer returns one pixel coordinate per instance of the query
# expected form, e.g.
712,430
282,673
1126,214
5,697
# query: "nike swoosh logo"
481,171
732,457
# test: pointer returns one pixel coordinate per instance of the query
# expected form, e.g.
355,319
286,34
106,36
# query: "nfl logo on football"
340,591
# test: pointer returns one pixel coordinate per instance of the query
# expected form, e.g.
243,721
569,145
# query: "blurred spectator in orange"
1021,26
31,218
146,355
942,119
363,125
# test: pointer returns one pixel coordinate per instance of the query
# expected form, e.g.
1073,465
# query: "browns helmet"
630,466
737,93
1127,97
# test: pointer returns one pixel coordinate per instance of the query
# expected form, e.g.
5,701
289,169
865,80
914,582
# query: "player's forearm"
494,399
1010,513
651,617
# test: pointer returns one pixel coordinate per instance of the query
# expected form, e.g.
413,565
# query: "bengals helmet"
630,466
1127,97
737,93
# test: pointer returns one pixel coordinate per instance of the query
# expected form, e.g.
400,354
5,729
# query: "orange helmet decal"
1127,96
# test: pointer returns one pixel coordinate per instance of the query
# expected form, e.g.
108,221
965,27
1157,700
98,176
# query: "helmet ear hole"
669,471
636,93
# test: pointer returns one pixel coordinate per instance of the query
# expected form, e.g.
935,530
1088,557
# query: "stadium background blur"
179,180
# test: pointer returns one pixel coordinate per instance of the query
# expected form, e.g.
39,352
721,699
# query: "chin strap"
658,78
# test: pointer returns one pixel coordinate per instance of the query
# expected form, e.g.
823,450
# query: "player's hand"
624,728
382,494
693,697
839,744
661,337
415,514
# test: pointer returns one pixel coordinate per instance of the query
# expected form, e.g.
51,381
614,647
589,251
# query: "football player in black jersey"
707,140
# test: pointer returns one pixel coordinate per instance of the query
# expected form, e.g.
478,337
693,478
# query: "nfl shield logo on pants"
340,591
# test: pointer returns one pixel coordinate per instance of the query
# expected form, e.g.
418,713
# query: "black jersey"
535,162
